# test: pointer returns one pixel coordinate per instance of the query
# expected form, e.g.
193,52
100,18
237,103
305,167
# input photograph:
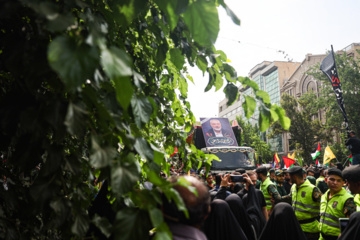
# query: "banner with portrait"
218,132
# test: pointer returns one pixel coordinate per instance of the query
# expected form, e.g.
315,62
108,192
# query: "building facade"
300,82
277,78
270,77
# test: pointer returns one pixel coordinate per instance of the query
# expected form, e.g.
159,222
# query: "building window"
220,109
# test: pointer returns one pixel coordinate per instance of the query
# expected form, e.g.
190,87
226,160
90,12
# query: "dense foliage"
99,88
306,130
348,68
251,136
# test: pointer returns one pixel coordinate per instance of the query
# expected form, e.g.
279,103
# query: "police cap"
261,169
278,172
312,180
294,169
335,171
352,173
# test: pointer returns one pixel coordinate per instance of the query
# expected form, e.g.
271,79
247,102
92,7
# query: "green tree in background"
251,137
348,68
100,88
306,130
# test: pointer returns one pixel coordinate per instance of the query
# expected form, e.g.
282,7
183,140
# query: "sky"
295,27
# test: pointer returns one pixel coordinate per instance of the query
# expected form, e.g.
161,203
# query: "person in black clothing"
282,225
260,196
353,144
352,229
221,223
287,182
238,209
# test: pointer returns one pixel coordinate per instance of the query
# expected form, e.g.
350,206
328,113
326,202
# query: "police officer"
279,182
272,175
335,203
268,188
353,144
306,202
352,176
320,182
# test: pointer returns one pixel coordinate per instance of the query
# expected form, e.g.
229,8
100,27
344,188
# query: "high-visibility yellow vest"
306,210
263,187
330,212
357,202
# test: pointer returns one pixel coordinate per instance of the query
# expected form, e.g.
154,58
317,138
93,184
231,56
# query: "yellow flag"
292,156
328,155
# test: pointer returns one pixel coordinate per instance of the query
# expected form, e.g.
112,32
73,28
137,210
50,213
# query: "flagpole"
336,88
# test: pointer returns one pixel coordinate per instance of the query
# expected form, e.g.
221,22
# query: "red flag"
288,161
176,151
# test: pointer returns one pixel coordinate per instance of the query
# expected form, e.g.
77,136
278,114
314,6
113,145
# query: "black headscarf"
282,225
237,207
221,223
253,209
352,230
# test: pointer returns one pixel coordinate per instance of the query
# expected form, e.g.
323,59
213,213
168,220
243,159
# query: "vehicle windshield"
232,160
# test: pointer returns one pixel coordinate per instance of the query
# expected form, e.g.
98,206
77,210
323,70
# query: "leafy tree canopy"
348,69
99,88
306,130
251,136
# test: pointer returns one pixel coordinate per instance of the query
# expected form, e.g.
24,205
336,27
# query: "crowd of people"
295,203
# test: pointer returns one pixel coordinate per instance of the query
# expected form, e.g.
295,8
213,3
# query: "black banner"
328,66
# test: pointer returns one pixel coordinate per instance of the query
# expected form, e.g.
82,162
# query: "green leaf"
247,82
116,62
103,224
61,22
73,62
124,91
212,78
231,14
284,120
230,70
183,87
142,109
173,194
218,82
131,224
231,92
161,53
222,55
202,63
156,217
163,232
263,95
101,157
158,157
80,225
177,58
190,78
74,120
212,157
201,17
249,106
143,148
125,11
170,8
264,118
125,175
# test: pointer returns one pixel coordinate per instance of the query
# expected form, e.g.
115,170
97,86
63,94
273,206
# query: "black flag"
328,66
